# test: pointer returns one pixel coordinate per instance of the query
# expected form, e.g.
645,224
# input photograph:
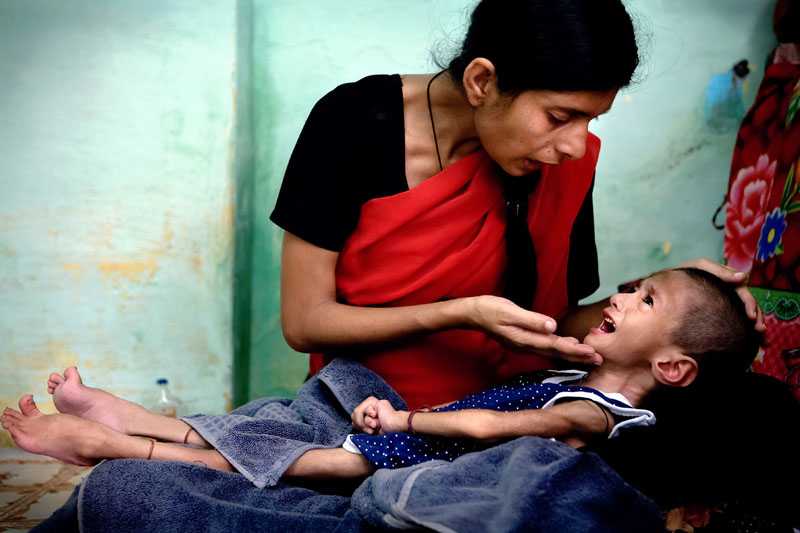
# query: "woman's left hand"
736,277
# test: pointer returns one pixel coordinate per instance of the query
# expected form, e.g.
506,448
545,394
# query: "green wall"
117,206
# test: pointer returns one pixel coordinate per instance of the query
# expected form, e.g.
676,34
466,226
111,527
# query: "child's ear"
674,369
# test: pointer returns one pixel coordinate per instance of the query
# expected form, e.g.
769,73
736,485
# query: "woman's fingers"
549,345
493,312
570,349
752,308
526,331
724,272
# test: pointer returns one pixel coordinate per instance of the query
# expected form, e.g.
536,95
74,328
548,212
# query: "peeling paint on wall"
107,229
141,272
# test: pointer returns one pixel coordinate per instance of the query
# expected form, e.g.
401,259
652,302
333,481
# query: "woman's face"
523,133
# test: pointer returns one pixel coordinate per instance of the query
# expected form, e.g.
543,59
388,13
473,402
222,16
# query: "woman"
394,205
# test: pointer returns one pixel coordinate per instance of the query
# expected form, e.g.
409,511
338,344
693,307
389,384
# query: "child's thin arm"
577,418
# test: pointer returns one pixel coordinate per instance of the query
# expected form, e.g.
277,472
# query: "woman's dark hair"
714,328
556,45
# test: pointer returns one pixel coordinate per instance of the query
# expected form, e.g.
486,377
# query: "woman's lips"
531,164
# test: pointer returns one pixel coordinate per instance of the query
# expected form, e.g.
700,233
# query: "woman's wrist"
452,314
462,312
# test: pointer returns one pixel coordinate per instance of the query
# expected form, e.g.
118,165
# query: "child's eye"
628,288
648,300
558,120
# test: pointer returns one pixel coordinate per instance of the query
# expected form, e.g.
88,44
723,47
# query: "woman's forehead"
586,103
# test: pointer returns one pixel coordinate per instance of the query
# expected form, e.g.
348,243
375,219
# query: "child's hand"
365,416
389,419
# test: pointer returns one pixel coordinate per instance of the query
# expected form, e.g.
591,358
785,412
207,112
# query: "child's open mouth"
608,325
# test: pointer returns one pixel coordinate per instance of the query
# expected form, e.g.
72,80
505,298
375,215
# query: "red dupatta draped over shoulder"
445,239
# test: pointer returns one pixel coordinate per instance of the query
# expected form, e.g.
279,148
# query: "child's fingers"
373,425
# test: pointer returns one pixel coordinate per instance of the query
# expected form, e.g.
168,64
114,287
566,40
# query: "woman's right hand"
314,321
525,331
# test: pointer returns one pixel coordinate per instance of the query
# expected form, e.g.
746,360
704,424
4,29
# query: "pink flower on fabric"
745,212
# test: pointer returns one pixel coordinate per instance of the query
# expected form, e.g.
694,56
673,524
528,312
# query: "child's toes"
9,418
71,373
12,413
54,380
28,406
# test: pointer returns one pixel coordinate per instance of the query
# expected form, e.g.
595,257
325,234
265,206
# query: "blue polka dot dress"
533,390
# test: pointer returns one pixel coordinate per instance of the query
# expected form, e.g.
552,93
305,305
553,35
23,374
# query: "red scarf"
445,239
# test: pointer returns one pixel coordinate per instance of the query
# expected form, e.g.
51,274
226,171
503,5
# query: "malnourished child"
676,325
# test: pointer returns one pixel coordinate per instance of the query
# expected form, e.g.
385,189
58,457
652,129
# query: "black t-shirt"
352,149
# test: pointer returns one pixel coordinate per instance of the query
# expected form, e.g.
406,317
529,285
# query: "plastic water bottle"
167,404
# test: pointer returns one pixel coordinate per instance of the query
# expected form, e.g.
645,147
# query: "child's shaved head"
714,328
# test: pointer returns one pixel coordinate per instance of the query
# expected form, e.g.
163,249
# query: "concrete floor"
32,487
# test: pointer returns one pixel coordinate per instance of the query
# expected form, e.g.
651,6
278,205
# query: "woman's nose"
572,143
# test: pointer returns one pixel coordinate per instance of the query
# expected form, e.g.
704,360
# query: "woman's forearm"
330,325
313,320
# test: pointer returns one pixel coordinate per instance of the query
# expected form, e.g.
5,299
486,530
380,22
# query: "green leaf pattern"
794,105
785,305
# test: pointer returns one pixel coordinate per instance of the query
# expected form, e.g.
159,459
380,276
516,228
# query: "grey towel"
264,437
527,484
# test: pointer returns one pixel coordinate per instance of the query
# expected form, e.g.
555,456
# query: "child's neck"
634,385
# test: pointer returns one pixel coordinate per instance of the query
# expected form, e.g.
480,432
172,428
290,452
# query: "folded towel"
527,484
264,437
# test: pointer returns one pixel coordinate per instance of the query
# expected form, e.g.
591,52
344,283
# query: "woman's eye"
648,300
558,120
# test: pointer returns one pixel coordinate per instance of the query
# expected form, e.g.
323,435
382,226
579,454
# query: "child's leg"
330,463
72,397
81,441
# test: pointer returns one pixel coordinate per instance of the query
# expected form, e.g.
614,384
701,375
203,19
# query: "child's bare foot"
72,397
65,437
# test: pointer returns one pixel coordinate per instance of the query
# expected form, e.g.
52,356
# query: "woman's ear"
674,369
480,81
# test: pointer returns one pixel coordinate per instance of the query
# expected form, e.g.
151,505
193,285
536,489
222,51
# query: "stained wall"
117,196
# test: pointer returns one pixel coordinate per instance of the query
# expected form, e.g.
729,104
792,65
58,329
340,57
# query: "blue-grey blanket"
264,437
527,484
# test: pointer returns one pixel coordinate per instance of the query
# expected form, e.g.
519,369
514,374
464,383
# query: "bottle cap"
161,381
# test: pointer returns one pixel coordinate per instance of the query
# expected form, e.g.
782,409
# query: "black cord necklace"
433,126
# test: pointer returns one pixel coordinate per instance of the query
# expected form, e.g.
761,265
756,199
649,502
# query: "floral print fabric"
762,216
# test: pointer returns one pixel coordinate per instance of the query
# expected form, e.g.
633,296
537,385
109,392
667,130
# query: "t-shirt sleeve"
351,149
583,277
312,203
